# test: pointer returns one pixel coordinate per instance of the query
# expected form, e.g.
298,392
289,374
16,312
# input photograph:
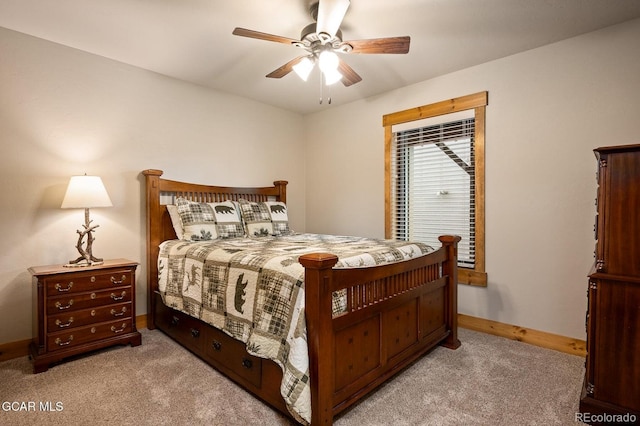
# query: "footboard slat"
362,294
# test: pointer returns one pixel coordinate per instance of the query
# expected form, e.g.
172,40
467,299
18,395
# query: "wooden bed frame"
396,313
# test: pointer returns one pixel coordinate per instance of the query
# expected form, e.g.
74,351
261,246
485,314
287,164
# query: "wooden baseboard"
533,337
13,350
538,338
141,321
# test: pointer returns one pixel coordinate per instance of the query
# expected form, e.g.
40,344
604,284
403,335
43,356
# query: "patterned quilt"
253,289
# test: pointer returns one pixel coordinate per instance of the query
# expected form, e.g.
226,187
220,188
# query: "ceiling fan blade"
381,45
286,68
243,32
349,76
330,15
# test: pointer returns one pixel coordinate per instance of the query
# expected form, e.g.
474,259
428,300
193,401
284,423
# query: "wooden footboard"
395,313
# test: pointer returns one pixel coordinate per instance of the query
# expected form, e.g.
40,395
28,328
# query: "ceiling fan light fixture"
328,61
322,40
304,68
332,76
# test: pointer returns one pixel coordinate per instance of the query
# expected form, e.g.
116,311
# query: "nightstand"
81,309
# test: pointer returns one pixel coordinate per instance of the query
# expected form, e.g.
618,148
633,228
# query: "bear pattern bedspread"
253,289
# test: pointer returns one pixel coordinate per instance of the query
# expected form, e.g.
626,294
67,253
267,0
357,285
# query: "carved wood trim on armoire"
612,379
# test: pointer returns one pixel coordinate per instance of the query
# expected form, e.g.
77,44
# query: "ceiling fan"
321,41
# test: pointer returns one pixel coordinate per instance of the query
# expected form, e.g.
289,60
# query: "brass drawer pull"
119,330
61,343
122,295
217,345
63,289
116,282
119,314
67,306
195,332
66,324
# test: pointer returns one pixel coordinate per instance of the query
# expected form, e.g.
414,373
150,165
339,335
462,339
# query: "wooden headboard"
160,192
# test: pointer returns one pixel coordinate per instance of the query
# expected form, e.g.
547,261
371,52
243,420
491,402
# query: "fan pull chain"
321,86
322,90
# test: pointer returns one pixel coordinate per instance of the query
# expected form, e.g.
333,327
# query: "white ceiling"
191,40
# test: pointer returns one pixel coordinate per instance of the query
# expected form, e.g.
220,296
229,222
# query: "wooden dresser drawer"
229,355
86,334
78,318
74,302
80,282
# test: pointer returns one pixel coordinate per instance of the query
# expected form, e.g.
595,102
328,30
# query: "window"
434,188
434,177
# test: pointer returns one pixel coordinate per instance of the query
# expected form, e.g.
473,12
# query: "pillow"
209,221
279,217
264,218
175,220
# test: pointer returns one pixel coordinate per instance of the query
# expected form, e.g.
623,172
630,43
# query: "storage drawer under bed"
221,350
181,327
230,354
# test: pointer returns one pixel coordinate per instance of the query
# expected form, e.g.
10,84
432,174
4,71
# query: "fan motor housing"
309,33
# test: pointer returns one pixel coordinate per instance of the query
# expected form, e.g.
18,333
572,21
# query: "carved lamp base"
86,257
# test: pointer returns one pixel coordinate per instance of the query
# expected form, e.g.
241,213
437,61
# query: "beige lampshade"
85,192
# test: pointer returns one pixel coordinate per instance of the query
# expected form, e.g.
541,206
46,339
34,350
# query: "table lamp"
85,192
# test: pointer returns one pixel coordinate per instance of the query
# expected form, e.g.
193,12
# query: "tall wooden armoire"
612,379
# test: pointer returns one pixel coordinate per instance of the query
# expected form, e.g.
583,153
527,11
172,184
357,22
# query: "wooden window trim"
478,101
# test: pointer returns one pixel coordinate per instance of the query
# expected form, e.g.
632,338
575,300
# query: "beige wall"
65,112
548,108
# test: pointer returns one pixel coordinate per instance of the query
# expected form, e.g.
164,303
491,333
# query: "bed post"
318,311
450,269
281,187
154,222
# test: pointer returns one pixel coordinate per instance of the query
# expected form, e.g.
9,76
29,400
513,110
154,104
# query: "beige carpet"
488,381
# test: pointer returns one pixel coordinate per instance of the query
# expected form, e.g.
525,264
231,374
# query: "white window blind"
432,185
